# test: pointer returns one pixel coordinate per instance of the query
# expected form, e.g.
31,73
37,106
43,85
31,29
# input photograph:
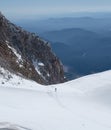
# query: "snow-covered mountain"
25,54
81,104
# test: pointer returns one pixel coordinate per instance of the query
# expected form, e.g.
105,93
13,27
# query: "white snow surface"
40,64
19,58
35,63
37,68
81,104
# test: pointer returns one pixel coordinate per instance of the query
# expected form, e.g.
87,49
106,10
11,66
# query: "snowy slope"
82,104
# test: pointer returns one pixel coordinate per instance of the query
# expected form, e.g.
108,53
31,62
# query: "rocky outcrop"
27,55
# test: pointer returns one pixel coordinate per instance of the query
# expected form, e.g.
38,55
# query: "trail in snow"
54,95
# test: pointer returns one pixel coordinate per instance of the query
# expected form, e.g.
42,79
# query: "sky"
28,8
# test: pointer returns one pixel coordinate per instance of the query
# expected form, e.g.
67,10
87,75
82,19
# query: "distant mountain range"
96,24
82,52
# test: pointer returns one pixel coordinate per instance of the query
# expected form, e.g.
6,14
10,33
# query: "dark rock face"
26,54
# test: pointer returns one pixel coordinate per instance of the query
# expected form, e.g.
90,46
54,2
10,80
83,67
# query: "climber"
55,89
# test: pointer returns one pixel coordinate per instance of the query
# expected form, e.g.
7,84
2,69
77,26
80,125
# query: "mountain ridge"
26,54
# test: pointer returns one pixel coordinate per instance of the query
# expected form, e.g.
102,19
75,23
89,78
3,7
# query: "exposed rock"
26,54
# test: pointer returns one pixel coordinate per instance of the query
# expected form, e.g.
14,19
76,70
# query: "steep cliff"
25,54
